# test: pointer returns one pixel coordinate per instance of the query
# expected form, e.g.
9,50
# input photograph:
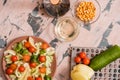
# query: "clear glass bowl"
66,29
97,13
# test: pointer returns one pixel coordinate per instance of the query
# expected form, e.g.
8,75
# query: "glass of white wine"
66,29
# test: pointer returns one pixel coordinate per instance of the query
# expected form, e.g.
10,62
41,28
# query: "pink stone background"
104,32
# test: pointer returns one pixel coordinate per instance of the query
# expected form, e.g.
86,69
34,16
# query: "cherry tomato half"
26,58
31,49
9,71
86,61
14,58
77,59
30,78
38,78
44,46
42,69
13,66
42,58
27,44
21,68
33,64
82,55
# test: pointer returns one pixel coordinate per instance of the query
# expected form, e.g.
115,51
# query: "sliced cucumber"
11,52
8,61
104,58
48,71
50,51
13,77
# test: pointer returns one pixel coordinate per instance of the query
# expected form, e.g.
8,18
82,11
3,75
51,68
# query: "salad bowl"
17,40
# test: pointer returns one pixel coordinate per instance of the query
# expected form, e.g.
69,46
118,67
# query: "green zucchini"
105,57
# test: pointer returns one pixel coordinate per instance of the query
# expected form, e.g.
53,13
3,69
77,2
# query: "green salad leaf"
47,77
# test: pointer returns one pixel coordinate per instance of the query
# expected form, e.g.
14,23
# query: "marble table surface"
26,17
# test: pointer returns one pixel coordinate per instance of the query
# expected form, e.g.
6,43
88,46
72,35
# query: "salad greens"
18,47
42,51
47,77
34,58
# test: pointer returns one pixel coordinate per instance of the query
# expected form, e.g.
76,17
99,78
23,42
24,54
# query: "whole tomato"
13,66
42,58
86,61
30,78
33,64
21,68
42,69
44,46
82,55
31,49
77,59
27,44
38,78
14,58
9,71
26,58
